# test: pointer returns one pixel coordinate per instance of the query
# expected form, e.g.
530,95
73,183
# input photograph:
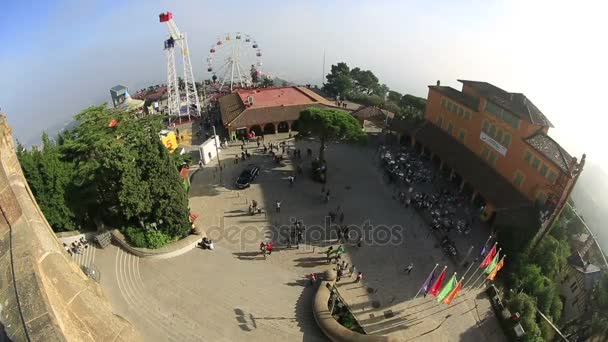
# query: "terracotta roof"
257,116
372,113
458,96
231,106
489,183
152,95
552,150
277,96
516,103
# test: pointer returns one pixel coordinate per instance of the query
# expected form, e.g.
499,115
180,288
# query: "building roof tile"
516,103
231,106
458,96
371,113
552,150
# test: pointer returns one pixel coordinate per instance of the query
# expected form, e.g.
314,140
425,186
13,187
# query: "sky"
58,57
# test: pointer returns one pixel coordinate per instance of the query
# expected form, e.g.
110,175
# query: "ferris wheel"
234,61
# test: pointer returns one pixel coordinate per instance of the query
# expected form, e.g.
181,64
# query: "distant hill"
591,198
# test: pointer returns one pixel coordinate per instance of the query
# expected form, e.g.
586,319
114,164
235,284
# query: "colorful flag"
492,274
437,284
493,264
428,282
448,300
488,257
447,288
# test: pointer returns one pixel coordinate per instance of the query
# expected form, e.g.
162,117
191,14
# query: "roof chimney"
438,83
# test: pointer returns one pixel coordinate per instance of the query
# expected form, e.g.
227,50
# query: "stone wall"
44,296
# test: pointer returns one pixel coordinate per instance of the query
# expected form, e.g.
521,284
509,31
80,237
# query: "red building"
497,145
266,110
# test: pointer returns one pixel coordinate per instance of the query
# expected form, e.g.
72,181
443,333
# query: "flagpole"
470,266
482,273
427,278
477,270
468,255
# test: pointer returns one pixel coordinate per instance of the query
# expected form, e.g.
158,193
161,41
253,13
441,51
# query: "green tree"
127,171
394,96
526,306
254,74
412,102
267,82
330,124
365,81
381,90
339,81
49,177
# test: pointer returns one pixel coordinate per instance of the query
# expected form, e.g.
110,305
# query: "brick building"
266,110
495,144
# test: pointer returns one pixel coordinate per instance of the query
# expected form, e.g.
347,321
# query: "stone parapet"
328,324
44,295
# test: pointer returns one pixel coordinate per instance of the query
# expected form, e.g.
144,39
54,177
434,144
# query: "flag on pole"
448,300
437,284
493,264
428,282
488,259
500,264
447,288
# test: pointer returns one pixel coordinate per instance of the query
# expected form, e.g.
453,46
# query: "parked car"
247,176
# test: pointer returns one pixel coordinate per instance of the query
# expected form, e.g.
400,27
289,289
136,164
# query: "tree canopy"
330,124
363,87
122,175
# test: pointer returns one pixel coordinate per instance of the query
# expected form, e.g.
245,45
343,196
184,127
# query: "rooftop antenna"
323,71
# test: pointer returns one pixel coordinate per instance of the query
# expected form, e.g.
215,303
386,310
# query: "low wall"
44,296
330,327
169,251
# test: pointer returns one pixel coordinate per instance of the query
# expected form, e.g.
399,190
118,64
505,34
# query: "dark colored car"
247,176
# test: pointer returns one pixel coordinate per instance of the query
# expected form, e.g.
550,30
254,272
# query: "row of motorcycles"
448,246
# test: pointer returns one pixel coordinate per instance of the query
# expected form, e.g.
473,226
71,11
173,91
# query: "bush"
135,237
157,239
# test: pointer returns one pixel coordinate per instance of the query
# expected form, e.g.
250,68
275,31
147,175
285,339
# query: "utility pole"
217,151
323,72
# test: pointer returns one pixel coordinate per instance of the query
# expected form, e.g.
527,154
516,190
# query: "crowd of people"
76,247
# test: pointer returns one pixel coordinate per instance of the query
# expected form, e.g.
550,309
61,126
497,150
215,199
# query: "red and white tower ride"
179,106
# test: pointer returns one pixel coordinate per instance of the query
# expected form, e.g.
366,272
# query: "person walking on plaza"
341,217
278,206
291,180
340,273
269,247
359,277
328,253
409,268
353,270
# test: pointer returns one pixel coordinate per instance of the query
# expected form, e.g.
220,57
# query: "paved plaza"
233,294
